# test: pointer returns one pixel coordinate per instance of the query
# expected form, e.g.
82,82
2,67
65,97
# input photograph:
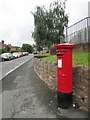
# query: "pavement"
72,113
25,95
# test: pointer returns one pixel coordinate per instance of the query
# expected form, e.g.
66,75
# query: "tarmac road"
8,66
24,95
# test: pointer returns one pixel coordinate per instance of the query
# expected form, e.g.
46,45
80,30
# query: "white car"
6,56
35,52
24,53
15,54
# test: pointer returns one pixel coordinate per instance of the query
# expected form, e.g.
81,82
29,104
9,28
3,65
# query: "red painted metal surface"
64,67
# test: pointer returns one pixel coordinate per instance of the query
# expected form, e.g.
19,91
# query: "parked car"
6,56
35,52
20,54
25,53
15,54
0,58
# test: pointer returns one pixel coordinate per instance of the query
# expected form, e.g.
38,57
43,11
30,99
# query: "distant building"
12,48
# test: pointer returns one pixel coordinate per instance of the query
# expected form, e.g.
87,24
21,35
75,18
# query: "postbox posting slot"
60,54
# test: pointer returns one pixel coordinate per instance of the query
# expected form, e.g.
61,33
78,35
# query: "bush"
3,51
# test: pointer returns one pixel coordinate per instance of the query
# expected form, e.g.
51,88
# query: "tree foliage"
49,24
27,48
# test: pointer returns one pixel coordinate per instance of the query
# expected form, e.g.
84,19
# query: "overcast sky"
17,23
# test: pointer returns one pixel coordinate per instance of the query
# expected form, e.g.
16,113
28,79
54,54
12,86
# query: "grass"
47,54
50,58
77,58
81,59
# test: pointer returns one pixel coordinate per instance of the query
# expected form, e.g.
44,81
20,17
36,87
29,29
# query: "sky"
17,22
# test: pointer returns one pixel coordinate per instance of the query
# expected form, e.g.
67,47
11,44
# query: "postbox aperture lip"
65,46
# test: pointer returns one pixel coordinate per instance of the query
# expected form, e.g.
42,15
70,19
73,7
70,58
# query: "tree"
27,48
50,24
39,33
60,19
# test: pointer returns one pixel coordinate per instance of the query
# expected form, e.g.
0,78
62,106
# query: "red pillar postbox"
64,74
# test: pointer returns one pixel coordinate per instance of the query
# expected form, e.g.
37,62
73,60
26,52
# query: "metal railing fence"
79,32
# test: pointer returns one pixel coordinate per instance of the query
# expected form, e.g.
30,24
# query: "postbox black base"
64,100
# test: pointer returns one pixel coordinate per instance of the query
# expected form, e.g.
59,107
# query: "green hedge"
3,51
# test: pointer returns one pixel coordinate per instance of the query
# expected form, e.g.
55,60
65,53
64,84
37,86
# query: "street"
24,95
8,66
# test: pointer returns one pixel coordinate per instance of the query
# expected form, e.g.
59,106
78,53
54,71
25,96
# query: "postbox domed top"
64,46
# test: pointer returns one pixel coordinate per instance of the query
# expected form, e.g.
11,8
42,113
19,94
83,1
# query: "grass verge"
77,58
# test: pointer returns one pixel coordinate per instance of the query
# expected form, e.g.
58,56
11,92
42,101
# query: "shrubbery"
3,51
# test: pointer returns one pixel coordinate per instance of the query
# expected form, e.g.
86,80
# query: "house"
12,48
2,44
15,48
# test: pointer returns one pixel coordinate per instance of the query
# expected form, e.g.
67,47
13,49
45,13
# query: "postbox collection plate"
59,63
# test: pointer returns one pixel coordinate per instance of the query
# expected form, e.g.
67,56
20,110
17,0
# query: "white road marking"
10,71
